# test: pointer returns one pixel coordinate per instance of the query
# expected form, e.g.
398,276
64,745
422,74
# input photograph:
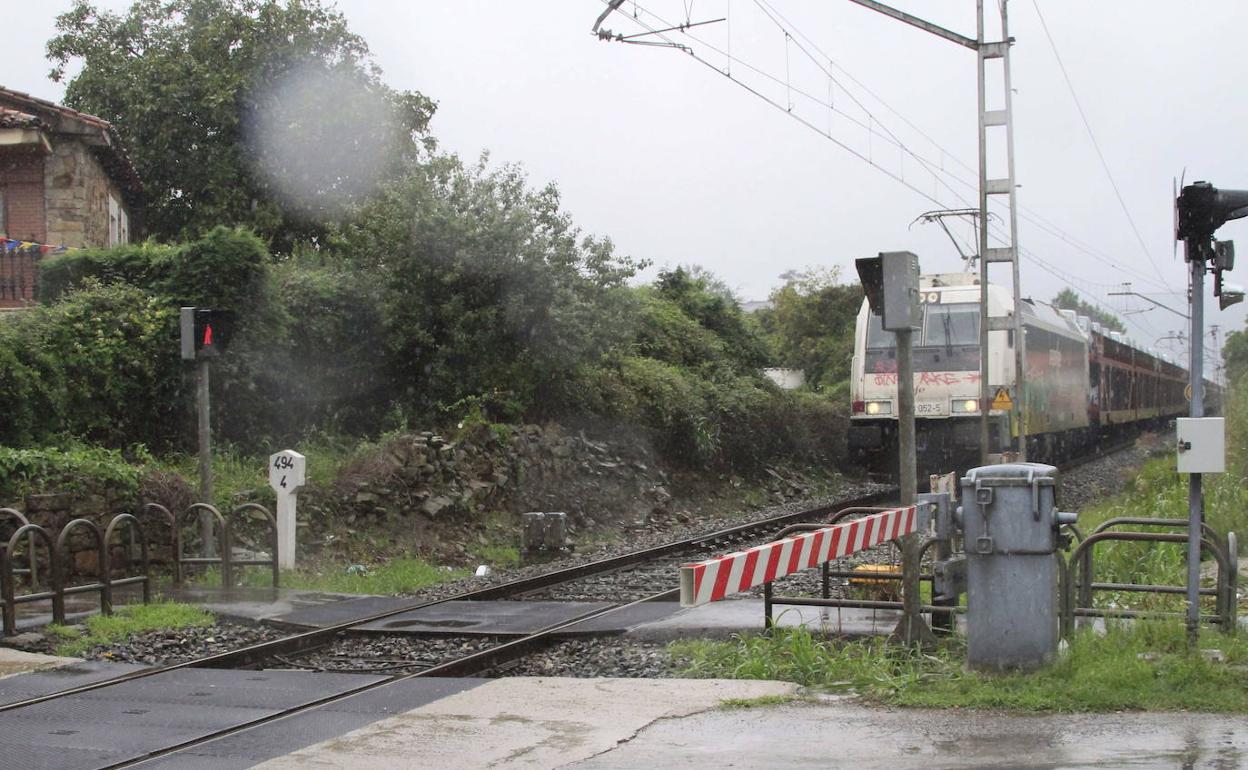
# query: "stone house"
65,181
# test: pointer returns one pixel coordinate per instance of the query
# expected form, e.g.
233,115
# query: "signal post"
1200,210
891,283
204,335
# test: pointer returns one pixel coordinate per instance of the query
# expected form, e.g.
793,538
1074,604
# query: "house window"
118,223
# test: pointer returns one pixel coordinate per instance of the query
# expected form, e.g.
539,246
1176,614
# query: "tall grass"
1145,665
1159,491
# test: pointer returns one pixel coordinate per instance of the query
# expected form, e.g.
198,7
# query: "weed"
499,555
758,702
126,622
57,631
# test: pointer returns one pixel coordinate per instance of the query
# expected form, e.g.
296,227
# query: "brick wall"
21,181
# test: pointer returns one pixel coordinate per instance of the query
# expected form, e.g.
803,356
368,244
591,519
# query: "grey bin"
1010,525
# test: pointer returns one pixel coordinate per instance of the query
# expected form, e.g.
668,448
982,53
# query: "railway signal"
205,333
1200,210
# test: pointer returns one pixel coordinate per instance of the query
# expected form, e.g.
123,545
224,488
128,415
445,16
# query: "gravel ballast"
1080,487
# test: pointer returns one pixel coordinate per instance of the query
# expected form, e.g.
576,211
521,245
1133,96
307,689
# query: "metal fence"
53,580
17,276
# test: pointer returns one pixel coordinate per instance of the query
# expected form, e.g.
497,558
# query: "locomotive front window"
877,337
952,324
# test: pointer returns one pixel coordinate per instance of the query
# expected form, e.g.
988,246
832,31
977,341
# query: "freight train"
1080,381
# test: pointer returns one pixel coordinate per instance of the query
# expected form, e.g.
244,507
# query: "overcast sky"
679,164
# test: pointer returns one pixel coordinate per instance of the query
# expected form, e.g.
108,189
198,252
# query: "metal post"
206,524
911,629
905,417
985,390
1002,118
1019,409
1195,503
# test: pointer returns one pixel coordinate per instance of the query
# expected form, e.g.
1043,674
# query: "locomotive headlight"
965,405
879,407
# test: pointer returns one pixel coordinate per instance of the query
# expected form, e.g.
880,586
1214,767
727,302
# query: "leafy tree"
811,324
1235,356
182,80
703,298
1067,299
491,293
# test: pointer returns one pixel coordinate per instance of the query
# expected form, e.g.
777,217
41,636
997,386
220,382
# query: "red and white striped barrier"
713,579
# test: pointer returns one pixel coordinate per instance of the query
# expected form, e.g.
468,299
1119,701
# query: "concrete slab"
720,620
625,620
487,618
43,682
203,687
335,612
276,739
128,721
843,734
524,722
13,662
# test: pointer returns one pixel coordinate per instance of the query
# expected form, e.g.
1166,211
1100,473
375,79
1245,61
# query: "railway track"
625,580
556,584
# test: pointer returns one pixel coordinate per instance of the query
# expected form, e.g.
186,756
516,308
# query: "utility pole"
991,183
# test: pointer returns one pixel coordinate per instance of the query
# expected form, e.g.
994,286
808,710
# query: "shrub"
491,291
75,468
101,365
314,358
738,422
223,269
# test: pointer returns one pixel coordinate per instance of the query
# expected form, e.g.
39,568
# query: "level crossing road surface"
572,723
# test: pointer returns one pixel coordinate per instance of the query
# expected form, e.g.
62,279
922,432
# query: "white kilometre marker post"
286,476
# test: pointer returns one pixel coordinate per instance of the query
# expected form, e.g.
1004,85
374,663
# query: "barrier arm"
711,580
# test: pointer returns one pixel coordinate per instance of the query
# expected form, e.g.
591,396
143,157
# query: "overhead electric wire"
787,109
1095,144
1025,212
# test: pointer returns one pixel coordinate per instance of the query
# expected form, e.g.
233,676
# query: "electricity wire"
1095,144
932,168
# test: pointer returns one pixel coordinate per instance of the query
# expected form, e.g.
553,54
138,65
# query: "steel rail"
318,637
473,663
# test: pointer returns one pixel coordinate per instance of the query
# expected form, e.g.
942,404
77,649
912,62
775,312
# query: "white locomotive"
1079,380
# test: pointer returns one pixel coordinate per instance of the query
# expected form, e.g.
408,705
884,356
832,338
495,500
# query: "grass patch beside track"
1141,666
1159,491
127,622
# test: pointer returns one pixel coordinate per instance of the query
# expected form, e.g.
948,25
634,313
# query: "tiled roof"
10,118
26,111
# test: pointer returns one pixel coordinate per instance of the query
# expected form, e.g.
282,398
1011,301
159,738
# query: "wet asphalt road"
842,734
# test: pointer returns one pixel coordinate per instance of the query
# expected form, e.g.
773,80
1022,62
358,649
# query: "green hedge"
224,269
739,422
100,364
45,469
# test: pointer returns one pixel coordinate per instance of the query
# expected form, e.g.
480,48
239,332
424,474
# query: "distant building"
65,180
755,305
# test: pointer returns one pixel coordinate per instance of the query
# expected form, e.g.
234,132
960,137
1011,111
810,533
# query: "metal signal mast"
992,182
